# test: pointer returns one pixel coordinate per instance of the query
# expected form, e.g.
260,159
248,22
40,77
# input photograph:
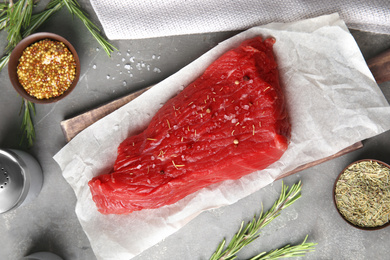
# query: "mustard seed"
46,69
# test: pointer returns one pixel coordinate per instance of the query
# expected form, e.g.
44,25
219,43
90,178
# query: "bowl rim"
334,195
17,53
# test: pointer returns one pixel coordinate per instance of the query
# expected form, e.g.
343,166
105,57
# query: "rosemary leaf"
3,18
250,232
3,6
287,251
27,12
4,60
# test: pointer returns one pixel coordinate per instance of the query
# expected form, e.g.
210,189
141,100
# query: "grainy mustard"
46,69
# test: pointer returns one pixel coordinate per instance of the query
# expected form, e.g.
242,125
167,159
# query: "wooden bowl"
335,200
17,53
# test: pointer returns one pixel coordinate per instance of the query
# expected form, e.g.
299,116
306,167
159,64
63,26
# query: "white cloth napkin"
333,102
135,19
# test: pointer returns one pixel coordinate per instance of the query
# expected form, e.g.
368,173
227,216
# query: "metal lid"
12,182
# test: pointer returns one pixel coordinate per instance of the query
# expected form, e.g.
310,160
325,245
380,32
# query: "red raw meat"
229,122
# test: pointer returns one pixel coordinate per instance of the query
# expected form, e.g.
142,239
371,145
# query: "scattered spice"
46,69
362,194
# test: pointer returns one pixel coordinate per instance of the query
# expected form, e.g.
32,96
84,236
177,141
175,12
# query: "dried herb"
362,194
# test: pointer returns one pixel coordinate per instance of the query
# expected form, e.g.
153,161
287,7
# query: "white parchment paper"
333,102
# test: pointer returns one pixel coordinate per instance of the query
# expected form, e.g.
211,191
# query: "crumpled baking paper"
332,98
150,18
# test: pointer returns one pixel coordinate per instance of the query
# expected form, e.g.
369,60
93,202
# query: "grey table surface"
49,223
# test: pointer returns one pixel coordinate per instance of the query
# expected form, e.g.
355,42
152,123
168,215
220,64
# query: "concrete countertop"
49,223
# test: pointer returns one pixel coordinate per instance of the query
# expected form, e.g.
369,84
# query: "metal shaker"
21,179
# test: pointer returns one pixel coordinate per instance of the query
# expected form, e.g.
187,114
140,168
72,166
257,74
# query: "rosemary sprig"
250,232
28,110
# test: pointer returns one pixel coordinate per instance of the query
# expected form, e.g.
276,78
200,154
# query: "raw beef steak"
229,122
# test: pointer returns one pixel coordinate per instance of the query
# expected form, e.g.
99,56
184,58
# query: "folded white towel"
135,19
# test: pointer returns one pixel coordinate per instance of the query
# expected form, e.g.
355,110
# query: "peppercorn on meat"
229,122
